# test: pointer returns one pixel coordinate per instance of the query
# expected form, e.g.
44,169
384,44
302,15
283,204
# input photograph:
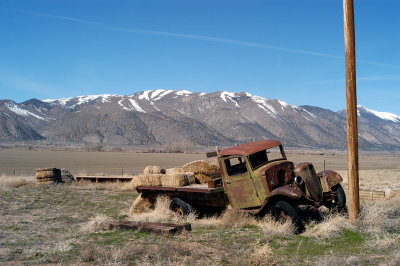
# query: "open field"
54,224
377,172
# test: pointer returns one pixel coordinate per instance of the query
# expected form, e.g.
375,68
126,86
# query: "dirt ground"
377,171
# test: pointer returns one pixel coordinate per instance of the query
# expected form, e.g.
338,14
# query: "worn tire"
284,211
339,202
180,207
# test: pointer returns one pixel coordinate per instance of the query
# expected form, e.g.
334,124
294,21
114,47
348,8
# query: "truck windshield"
262,157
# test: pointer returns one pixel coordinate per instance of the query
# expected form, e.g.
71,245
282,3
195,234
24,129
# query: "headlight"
298,180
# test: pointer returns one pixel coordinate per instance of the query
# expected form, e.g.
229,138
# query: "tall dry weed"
10,182
380,216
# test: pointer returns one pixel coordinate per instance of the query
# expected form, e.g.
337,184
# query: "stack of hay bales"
48,175
202,170
157,176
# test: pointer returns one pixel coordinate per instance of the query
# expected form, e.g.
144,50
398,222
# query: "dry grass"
7,182
54,225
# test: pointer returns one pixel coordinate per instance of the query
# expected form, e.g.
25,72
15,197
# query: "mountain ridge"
156,117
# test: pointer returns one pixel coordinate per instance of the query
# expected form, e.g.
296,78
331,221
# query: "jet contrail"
111,27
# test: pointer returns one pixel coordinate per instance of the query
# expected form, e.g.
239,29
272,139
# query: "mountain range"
157,117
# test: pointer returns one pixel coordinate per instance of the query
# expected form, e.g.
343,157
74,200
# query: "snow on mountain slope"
382,115
21,111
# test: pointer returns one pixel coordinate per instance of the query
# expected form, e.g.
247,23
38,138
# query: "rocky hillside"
165,116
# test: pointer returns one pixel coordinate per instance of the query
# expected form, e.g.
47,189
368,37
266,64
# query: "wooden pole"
351,109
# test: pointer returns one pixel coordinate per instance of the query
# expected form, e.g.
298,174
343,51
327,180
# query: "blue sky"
285,49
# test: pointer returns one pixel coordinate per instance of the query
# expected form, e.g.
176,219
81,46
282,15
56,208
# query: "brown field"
53,224
377,172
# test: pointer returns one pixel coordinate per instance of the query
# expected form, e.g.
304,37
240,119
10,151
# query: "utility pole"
351,110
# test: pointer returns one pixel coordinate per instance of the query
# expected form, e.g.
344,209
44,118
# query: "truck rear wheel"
283,212
180,207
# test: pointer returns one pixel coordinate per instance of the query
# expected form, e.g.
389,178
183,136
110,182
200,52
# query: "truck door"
238,185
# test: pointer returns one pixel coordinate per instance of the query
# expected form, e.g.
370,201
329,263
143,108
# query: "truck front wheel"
339,201
283,212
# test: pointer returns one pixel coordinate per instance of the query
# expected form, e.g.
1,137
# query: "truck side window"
235,166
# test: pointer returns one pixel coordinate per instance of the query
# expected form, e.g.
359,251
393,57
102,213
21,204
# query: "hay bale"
153,169
174,171
201,167
150,180
140,205
202,179
44,175
177,179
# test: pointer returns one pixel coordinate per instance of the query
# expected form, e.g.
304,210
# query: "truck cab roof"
249,148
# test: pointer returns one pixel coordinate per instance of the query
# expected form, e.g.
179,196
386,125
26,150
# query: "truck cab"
250,172
256,175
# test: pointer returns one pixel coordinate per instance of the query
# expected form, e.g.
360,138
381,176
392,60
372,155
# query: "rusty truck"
257,178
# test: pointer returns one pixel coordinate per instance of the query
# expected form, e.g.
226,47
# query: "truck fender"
292,192
329,179
289,192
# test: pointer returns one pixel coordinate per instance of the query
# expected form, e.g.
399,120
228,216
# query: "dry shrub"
332,226
177,180
261,255
140,205
153,169
233,218
174,171
380,216
271,227
201,167
8,182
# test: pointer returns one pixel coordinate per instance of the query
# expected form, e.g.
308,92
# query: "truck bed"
194,188
200,196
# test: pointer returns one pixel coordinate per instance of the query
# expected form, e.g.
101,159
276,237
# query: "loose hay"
201,167
202,179
140,205
177,180
153,169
